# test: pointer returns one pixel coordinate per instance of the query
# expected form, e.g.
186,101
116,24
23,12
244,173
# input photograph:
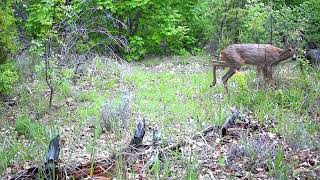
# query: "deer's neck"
285,54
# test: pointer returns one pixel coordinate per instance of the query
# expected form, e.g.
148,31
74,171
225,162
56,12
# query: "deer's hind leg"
226,77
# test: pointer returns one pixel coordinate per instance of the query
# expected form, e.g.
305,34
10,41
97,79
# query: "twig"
29,90
48,55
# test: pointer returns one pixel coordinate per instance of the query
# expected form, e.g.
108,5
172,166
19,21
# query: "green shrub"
8,76
7,30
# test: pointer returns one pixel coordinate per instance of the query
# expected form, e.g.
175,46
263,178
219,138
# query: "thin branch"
47,66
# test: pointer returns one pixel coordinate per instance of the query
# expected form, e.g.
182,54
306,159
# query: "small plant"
166,168
221,161
256,149
116,115
25,126
8,151
278,166
192,171
241,81
64,88
156,168
242,91
87,96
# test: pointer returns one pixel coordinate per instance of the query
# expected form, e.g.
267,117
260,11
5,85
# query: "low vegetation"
175,97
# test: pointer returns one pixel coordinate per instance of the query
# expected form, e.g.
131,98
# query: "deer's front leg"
265,74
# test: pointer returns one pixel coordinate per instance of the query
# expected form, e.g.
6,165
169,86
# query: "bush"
7,30
8,76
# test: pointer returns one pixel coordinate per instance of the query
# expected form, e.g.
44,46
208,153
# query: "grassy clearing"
175,96
181,103
169,97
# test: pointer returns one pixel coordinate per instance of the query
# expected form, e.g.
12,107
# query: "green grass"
278,167
174,98
13,149
8,151
32,130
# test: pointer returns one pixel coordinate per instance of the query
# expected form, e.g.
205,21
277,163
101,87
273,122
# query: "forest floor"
276,134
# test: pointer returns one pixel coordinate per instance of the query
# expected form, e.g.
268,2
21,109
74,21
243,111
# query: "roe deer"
263,56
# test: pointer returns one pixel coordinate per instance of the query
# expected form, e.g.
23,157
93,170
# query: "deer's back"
250,53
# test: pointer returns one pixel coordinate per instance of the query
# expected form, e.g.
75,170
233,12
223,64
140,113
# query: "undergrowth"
179,103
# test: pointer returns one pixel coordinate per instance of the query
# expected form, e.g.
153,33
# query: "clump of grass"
32,130
278,167
62,82
116,115
87,96
257,149
33,98
298,135
192,171
8,151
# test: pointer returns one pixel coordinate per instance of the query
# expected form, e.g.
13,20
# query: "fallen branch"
139,133
230,121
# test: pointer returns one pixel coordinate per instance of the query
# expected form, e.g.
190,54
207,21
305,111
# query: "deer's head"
293,50
291,47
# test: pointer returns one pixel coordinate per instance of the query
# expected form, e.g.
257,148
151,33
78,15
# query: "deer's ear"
285,42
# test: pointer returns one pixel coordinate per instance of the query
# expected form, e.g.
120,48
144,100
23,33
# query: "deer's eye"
290,49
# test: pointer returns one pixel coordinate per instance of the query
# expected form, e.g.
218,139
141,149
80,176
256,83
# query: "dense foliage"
7,30
8,45
132,29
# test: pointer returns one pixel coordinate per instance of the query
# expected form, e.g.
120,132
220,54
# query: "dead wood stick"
230,121
205,132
